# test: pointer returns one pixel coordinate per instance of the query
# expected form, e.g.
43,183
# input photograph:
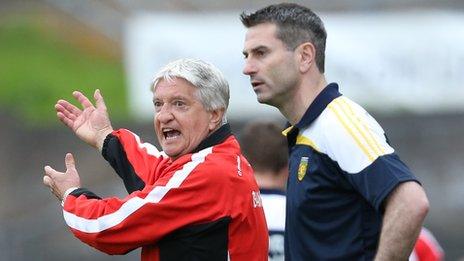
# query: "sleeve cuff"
105,144
66,193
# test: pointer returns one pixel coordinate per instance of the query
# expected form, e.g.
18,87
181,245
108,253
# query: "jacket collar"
327,95
215,138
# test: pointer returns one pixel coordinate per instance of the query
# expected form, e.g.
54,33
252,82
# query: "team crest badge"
302,168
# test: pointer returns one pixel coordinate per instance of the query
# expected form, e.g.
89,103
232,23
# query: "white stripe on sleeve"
135,203
150,148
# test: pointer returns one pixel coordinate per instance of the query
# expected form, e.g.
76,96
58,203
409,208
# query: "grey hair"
213,88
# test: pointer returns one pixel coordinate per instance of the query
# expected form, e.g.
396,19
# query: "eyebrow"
244,52
176,97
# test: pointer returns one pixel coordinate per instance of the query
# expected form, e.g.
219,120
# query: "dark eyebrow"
257,48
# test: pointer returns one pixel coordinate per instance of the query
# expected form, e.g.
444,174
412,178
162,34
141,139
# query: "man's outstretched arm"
405,210
91,123
132,159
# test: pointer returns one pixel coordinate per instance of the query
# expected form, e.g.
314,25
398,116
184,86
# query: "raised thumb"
69,161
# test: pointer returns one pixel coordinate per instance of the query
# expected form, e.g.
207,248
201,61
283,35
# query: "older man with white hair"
196,200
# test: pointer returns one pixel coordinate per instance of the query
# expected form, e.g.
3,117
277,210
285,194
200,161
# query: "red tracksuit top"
202,206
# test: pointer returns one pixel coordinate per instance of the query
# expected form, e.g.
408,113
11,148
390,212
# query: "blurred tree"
43,59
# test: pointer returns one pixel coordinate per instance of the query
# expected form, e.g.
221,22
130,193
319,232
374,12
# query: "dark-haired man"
264,147
349,196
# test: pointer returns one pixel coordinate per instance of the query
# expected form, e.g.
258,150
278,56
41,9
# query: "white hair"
213,88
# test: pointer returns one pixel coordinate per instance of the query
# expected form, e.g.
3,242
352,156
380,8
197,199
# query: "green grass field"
39,65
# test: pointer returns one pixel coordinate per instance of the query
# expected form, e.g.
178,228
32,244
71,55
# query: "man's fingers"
100,102
69,162
69,107
69,114
83,100
47,181
65,113
49,171
65,120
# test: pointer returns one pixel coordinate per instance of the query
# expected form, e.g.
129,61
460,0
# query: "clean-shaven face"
181,121
271,66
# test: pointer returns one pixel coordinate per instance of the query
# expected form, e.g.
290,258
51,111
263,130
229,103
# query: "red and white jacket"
202,206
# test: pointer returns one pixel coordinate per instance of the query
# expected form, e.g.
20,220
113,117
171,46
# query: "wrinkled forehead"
170,81
174,85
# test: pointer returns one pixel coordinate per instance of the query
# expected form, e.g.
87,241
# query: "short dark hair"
296,24
264,146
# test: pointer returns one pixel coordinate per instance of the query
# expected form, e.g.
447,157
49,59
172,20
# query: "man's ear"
306,56
215,118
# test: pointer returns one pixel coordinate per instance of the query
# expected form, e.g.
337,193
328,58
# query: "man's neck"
295,107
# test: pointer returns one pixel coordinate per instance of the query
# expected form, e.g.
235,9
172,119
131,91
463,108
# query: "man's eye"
179,103
157,105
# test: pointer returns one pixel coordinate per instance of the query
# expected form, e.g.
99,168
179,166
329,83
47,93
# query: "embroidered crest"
302,168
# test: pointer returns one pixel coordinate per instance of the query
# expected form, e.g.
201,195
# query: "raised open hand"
59,182
91,124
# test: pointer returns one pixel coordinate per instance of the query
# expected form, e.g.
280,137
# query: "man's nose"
165,114
249,68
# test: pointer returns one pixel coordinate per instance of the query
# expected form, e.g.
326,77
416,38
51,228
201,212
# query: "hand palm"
89,123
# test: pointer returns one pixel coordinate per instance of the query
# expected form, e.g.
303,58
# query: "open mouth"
170,133
256,83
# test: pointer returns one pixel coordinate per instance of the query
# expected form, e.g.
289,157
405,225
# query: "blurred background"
402,60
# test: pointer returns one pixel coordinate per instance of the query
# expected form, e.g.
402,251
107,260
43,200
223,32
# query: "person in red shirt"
196,200
427,248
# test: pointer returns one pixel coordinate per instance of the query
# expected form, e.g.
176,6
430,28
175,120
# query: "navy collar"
215,138
327,95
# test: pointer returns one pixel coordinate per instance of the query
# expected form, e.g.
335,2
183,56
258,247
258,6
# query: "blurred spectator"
265,148
427,248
